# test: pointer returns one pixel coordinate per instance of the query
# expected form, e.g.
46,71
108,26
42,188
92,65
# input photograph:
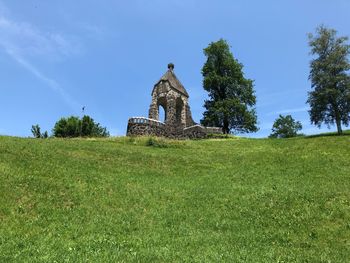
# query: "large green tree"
330,98
231,96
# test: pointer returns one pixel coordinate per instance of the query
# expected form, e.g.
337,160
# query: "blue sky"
59,55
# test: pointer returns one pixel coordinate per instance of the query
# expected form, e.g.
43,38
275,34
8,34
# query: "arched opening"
162,114
179,109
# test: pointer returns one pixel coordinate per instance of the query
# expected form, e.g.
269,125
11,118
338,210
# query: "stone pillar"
171,111
184,113
153,111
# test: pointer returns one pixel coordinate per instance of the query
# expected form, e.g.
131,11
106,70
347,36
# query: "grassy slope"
239,200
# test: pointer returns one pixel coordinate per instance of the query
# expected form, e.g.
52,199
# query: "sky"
60,55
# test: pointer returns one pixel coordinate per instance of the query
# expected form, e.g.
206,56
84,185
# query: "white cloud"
27,40
294,110
24,43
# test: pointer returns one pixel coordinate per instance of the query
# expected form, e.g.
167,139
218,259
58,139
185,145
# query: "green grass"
129,200
345,133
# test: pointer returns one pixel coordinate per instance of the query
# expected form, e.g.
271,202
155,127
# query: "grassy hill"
118,200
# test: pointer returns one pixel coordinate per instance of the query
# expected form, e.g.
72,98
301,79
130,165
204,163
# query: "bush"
75,127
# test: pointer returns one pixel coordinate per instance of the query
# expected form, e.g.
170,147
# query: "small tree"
36,131
285,127
330,98
231,95
45,135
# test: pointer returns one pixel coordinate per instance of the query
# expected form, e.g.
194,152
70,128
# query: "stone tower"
170,94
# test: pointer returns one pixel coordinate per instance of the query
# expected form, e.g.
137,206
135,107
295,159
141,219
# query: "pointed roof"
173,80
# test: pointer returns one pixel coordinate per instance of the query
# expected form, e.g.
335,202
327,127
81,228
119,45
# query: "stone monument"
172,96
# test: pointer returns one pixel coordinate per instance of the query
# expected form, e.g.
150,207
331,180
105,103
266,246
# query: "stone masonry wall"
195,132
145,127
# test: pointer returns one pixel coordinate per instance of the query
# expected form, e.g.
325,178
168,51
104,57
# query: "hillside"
118,200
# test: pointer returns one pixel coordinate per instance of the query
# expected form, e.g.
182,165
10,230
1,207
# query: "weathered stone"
170,94
143,126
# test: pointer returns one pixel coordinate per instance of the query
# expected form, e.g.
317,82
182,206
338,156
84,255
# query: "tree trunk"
338,122
225,127
340,131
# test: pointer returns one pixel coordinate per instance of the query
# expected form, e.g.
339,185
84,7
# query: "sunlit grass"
156,200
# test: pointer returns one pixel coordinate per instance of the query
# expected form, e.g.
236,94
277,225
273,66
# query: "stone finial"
171,66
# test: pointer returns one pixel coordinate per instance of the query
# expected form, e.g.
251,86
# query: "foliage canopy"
36,131
330,98
285,127
231,95
75,127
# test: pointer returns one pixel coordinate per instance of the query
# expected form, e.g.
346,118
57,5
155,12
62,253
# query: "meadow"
156,200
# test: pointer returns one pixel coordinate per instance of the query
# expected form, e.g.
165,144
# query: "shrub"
75,127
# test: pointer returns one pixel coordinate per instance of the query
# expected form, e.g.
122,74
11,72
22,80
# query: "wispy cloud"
26,40
51,83
24,43
294,110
